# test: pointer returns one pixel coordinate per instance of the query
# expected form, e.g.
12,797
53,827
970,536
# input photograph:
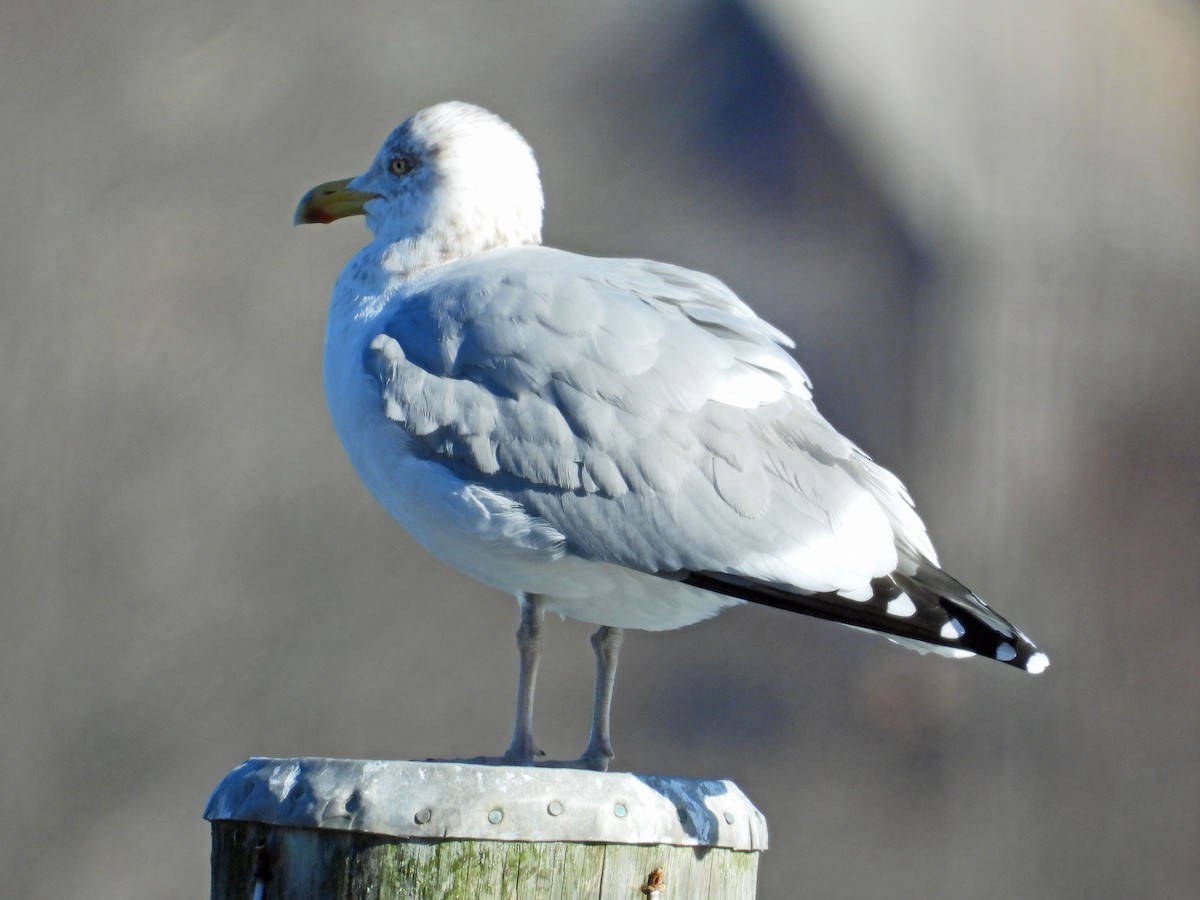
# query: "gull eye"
402,165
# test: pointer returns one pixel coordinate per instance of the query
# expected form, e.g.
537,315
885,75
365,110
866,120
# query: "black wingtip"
928,608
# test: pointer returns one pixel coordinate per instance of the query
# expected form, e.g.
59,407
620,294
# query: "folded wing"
645,413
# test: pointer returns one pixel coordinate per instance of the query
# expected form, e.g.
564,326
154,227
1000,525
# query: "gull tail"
928,611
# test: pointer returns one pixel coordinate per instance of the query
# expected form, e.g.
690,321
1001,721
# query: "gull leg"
523,751
607,644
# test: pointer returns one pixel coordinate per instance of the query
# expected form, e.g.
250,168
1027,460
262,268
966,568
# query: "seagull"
620,441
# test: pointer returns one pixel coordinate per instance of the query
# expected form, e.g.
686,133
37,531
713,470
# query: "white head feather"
472,185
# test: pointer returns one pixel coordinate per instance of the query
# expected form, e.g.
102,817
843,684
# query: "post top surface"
501,803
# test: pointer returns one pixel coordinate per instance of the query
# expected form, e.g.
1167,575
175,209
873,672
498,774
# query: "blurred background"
979,221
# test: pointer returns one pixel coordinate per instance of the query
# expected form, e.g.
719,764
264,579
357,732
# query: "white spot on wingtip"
1037,663
952,630
1006,652
901,606
858,595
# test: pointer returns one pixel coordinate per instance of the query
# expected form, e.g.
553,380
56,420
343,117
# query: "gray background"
979,221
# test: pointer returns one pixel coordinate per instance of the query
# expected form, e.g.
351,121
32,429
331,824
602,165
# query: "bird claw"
522,753
595,759
505,760
587,761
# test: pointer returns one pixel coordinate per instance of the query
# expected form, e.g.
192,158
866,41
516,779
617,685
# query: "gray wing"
650,417
644,412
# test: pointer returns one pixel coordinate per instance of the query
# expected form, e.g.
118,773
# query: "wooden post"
338,829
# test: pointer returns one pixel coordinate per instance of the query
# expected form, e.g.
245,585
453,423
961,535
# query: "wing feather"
641,409
647,416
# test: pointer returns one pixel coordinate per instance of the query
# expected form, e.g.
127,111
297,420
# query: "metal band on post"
309,828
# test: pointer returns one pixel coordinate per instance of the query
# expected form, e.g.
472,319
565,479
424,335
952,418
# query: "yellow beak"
329,202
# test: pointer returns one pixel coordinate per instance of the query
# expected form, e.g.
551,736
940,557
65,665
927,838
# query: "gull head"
452,181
